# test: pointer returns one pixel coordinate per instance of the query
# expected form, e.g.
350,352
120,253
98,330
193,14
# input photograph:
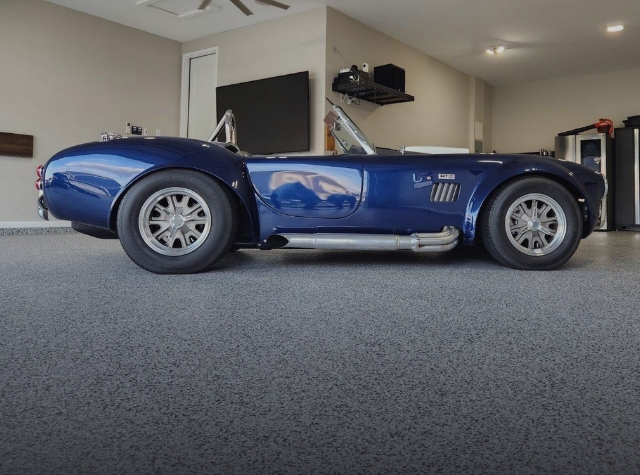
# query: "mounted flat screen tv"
272,115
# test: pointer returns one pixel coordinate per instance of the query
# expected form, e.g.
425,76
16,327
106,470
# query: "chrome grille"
445,192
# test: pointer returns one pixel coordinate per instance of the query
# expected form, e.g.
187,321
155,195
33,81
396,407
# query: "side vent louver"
445,192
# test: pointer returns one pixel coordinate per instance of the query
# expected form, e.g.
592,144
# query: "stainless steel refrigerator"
596,152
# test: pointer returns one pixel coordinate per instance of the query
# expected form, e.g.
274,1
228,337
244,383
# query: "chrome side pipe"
445,240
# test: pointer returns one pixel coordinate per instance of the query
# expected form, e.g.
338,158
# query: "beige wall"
481,112
66,77
440,114
488,118
527,117
287,45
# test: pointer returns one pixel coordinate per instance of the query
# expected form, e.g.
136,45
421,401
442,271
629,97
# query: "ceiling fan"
243,7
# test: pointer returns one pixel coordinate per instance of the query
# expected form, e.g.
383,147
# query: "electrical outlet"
145,132
127,128
158,133
136,130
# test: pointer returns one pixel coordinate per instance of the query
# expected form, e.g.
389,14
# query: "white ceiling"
545,39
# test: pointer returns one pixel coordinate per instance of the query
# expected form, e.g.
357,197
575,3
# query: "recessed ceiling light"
615,28
496,50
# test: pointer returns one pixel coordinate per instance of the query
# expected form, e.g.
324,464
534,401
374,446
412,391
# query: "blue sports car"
179,205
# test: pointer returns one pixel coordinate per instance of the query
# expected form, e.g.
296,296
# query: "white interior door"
201,115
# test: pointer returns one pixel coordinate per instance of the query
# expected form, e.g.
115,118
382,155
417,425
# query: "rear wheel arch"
244,215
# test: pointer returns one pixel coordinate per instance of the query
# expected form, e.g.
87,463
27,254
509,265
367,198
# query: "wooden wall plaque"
16,145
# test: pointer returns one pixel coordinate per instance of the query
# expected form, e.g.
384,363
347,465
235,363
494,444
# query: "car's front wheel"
532,224
177,222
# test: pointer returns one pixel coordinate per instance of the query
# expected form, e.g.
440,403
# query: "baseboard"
34,224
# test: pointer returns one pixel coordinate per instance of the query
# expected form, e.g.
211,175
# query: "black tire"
543,241
194,241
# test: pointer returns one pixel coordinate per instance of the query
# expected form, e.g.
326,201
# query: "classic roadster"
179,205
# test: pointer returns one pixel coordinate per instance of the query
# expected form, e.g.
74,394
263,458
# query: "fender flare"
509,172
228,171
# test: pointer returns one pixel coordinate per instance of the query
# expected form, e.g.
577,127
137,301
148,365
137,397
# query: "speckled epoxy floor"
318,362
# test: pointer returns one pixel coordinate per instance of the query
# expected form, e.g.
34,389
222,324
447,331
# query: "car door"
308,187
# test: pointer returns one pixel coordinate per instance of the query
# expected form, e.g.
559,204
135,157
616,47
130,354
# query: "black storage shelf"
372,92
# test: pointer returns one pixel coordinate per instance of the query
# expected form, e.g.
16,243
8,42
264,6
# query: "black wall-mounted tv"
272,115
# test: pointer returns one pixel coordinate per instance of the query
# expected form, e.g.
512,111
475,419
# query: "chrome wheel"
536,224
174,221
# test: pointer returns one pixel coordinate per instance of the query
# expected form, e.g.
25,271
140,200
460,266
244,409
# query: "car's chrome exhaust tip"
277,242
43,212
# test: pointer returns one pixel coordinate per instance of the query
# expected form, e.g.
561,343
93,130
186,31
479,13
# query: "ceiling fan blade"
204,4
273,3
242,7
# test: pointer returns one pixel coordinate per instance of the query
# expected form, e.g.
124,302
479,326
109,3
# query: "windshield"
350,138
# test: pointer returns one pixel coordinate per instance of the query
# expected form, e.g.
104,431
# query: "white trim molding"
34,224
184,97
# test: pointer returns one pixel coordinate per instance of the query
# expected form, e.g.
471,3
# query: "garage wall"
287,45
440,114
488,118
482,112
66,77
527,117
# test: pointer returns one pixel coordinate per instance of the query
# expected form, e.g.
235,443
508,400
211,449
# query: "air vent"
445,192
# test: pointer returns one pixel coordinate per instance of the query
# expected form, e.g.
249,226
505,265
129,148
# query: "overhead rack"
371,92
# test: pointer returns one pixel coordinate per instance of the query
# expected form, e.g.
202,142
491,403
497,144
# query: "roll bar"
228,123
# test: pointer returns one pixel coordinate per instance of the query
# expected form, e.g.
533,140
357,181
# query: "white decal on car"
421,180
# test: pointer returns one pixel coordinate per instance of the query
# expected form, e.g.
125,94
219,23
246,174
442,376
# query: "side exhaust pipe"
445,240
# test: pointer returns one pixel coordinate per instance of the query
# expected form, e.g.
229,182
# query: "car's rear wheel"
177,222
532,224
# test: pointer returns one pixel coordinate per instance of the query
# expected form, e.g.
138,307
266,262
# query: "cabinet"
627,177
